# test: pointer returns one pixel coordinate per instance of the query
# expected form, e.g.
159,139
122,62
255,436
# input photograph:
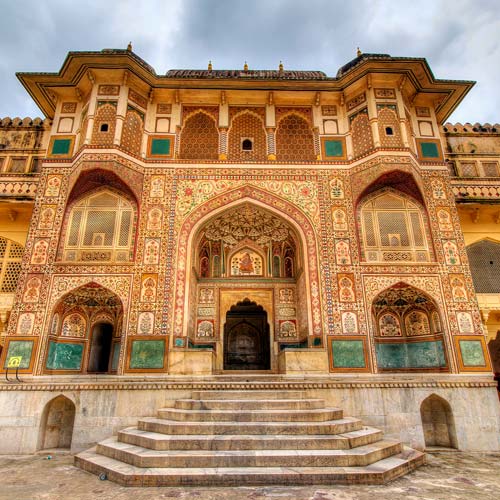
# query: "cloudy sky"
459,38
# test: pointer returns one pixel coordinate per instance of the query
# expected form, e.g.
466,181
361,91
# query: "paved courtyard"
448,476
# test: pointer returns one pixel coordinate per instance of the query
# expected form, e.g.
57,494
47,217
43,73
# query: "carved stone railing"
18,186
468,190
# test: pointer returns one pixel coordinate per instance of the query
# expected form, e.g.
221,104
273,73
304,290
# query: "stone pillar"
402,119
90,114
223,143
271,143
373,116
121,111
317,148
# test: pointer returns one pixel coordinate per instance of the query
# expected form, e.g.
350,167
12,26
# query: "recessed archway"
200,319
408,330
438,423
85,331
56,429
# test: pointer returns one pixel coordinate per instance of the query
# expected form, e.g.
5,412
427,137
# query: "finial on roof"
245,66
129,46
209,65
358,52
281,68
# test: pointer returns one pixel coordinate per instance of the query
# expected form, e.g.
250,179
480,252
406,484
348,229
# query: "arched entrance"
246,338
248,251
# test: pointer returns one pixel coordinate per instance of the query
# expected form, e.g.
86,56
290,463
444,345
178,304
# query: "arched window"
393,229
100,228
11,255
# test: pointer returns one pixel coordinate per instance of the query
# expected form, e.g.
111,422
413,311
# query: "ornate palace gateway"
257,231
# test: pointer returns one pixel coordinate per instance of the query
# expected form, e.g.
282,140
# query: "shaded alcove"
246,337
438,423
85,331
58,418
408,331
100,348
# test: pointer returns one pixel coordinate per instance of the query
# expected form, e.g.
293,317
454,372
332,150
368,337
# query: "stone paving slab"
448,476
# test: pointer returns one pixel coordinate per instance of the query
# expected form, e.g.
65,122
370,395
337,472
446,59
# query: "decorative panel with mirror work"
147,354
64,356
472,353
23,347
348,353
421,355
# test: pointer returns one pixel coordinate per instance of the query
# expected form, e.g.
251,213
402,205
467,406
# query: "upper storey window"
11,255
393,230
100,228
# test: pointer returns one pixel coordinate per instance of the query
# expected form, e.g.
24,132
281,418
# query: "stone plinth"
303,361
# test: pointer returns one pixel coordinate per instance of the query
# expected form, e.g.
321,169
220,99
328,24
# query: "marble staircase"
235,438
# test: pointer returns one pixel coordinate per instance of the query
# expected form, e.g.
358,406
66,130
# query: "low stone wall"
104,405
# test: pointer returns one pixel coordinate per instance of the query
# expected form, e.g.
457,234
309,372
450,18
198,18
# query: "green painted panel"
61,146
116,356
429,150
147,354
160,147
400,356
333,148
348,354
472,352
22,348
64,356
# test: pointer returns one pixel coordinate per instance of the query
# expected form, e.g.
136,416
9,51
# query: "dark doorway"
246,338
100,349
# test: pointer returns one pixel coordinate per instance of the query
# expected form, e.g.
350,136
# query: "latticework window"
17,165
490,169
11,255
468,169
393,230
99,229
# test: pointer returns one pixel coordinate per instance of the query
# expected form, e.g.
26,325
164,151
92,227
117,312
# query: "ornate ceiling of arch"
92,296
247,222
402,296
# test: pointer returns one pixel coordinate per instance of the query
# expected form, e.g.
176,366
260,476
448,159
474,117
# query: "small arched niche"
438,423
56,430
407,331
85,332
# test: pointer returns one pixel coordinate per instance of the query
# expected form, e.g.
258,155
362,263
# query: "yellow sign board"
14,362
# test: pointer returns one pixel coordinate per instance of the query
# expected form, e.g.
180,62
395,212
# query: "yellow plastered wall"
15,220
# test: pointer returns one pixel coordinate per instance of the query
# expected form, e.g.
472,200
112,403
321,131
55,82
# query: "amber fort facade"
248,229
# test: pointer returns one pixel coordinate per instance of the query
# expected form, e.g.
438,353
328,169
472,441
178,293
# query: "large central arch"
187,283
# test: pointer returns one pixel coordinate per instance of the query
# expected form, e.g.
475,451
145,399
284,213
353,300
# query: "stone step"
128,475
249,404
164,426
315,415
143,457
156,441
248,394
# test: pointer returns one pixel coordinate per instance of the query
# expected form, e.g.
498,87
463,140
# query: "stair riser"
348,460
281,478
238,429
333,443
214,416
291,405
248,395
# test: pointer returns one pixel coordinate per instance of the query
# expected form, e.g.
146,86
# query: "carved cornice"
274,386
